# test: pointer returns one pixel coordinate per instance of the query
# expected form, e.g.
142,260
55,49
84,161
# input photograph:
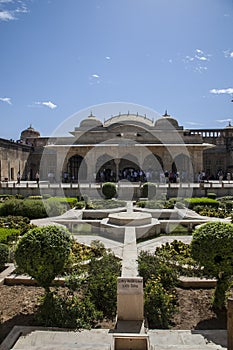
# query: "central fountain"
130,219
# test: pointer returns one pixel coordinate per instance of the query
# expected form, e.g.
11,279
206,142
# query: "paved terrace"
126,190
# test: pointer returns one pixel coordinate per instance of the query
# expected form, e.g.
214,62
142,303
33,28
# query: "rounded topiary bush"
109,190
4,253
43,251
148,190
212,248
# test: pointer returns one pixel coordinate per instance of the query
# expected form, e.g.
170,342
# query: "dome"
135,119
167,122
90,122
30,132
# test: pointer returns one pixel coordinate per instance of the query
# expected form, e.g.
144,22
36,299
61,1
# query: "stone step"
63,346
104,339
190,340
187,347
84,340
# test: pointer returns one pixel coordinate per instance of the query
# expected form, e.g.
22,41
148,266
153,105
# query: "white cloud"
222,91
194,61
95,76
6,16
228,53
9,9
223,120
48,104
201,58
6,99
194,123
200,69
188,58
108,57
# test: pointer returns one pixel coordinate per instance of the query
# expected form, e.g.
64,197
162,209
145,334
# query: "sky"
59,57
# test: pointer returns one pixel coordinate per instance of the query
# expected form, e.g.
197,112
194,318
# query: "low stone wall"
134,191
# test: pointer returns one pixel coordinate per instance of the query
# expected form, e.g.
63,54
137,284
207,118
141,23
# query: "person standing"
37,177
18,178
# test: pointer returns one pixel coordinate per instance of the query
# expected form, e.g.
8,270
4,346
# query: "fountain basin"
130,219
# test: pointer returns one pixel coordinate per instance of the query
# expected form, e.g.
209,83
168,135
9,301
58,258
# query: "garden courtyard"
89,277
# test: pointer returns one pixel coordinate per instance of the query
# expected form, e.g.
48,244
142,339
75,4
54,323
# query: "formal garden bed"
88,298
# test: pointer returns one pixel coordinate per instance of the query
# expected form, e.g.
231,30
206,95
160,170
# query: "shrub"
31,208
17,222
109,190
151,264
4,197
160,305
4,253
69,202
192,202
8,234
102,283
177,255
141,204
211,195
212,247
80,205
210,211
67,311
148,190
43,252
170,203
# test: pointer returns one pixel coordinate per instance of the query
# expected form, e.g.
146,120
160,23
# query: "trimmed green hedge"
150,204
192,202
68,201
32,208
7,234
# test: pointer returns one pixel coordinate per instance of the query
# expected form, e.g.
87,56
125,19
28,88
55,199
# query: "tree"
212,248
43,252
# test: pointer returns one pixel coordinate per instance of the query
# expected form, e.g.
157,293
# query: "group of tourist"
134,175
221,175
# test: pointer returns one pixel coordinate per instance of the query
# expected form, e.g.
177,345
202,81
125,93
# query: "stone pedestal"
130,299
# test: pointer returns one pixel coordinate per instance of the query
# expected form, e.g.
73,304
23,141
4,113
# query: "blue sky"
61,56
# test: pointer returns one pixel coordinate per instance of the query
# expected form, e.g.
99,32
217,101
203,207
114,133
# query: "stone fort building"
125,146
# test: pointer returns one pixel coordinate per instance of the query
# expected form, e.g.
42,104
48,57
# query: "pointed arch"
76,168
